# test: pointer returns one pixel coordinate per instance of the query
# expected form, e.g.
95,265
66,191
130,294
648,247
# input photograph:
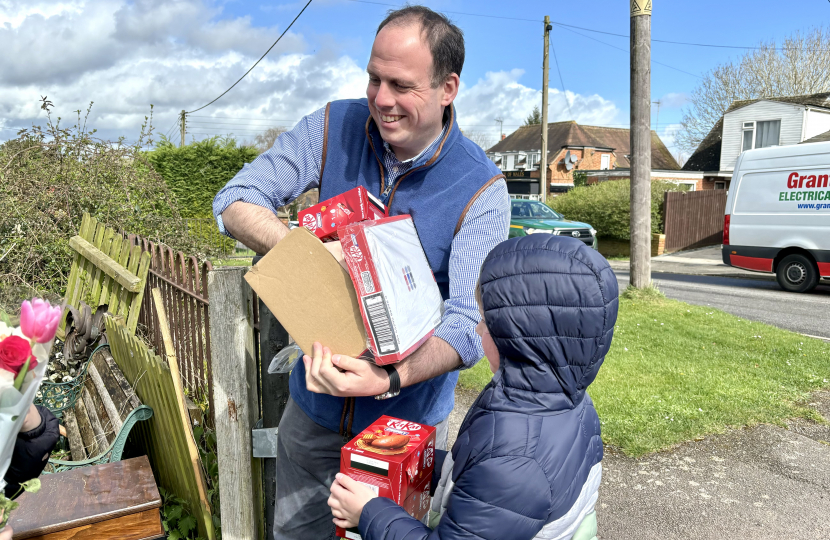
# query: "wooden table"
117,500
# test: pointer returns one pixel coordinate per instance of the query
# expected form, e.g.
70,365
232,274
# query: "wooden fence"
162,437
183,284
106,270
693,218
237,403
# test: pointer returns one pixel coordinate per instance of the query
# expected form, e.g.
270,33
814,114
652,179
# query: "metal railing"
183,285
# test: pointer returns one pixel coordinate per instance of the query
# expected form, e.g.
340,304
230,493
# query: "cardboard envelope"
310,294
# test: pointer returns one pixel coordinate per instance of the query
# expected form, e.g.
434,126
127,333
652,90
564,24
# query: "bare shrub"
798,66
49,177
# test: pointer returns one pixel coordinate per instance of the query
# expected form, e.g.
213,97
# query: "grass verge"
231,262
677,372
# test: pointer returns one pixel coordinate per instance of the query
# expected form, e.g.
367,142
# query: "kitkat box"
395,458
416,505
323,219
399,300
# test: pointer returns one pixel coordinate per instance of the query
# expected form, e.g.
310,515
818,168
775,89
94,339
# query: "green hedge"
607,206
196,172
49,177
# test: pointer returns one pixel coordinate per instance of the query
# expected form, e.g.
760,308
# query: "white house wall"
791,116
818,122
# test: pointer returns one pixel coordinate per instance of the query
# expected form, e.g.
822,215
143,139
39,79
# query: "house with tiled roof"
571,148
758,123
824,137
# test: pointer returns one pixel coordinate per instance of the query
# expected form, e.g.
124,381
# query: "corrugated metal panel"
791,116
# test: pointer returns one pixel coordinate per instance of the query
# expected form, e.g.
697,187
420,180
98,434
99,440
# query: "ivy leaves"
176,519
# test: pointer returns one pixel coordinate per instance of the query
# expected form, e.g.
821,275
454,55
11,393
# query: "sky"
124,55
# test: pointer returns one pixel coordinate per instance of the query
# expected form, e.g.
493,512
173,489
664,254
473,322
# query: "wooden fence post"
237,406
272,338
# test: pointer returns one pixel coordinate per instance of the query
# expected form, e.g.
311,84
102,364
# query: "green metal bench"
100,422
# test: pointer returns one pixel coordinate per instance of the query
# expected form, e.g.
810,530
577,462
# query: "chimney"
503,136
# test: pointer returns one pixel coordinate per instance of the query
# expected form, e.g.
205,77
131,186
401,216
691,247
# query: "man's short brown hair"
445,40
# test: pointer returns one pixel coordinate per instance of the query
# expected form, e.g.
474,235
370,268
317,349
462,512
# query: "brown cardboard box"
310,294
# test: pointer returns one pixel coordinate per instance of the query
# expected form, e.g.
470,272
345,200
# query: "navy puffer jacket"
529,441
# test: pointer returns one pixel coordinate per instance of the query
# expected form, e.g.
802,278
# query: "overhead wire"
566,26
169,131
255,63
561,81
241,118
201,123
687,43
562,25
625,50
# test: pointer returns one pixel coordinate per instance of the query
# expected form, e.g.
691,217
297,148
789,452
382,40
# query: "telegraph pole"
182,122
500,120
640,266
543,164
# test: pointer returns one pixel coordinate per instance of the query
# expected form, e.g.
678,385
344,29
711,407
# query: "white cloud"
174,54
180,54
500,95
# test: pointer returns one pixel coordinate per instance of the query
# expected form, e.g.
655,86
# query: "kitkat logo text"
403,425
310,222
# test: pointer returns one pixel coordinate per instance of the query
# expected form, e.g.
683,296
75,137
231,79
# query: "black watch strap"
394,383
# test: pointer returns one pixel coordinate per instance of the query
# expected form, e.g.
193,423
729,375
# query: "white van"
778,214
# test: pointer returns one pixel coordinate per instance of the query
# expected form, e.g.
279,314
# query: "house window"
761,134
510,161
720,185
749,136
767,133
605,162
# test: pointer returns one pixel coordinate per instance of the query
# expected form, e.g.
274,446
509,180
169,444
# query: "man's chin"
392,135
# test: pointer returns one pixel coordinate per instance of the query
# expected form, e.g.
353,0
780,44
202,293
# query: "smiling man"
403,144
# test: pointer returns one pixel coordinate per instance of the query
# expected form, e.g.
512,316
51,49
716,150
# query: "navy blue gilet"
437,195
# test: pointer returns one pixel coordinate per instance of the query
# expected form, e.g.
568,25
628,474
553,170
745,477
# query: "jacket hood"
550,304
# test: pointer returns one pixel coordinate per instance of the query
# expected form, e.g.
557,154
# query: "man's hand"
348,497
342,376
336,250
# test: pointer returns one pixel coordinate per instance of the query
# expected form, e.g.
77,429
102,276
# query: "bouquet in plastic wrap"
24,356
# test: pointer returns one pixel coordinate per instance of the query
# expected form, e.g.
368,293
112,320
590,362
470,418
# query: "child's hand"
348,497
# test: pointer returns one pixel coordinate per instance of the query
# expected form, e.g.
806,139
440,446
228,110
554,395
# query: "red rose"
14,351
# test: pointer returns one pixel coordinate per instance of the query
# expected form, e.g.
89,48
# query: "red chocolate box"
323,219
416,505
399,300
396,459
397,454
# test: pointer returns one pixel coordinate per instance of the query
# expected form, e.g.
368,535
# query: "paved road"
752,299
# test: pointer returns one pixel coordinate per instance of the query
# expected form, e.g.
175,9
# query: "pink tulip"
39,320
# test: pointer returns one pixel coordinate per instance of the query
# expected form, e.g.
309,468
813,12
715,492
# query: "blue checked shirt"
292,167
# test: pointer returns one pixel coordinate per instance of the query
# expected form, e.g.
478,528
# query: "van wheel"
797,273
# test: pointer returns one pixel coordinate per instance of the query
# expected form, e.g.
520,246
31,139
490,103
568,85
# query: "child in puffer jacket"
526,463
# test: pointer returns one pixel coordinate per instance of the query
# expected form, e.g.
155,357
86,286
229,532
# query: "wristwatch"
394,383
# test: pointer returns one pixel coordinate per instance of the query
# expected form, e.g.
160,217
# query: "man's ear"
450,87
